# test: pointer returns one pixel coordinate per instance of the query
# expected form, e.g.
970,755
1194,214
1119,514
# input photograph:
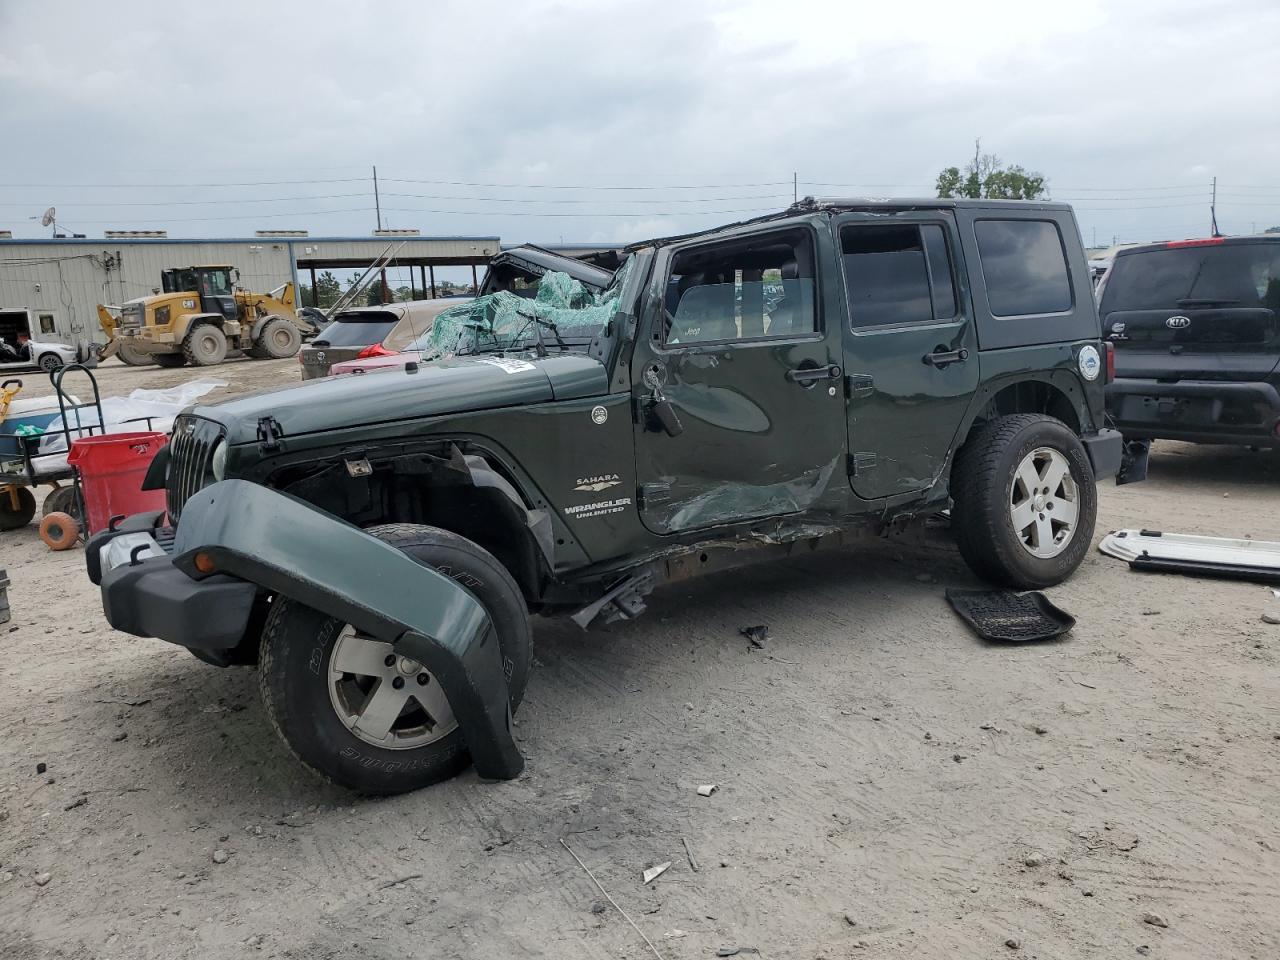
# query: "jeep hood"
456,385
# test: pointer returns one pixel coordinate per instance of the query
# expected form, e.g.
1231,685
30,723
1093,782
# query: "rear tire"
131,355
1025,501
205,346
169,360
50,362
279,340
305,692
13,516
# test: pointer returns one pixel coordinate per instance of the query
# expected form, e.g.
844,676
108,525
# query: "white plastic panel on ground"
1132,544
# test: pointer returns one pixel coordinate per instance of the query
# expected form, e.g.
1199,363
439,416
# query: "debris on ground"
707,789
758,635
41,768
601,888
1272,618
221,856
1006,616
1155,920
653,873
42,878
79,801
1013,943
688,852
1035,860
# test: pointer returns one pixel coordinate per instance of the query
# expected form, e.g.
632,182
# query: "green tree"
986,176
1272,230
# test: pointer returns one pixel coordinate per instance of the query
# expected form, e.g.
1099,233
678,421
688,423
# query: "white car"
45,355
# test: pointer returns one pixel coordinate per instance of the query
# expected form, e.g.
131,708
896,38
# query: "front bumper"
1199,411
263,541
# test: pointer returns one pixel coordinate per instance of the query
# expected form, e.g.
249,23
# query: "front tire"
205,346
1025,501
50,362
363,717
131,355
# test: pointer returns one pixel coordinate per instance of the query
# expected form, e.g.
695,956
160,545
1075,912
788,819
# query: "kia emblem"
1177,323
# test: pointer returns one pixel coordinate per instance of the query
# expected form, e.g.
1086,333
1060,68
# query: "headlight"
218,463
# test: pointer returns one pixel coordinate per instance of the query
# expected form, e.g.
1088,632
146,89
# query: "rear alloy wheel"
50,362
1025,501
279,340
358,713
205,346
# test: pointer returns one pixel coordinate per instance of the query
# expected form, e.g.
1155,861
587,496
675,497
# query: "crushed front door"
735,360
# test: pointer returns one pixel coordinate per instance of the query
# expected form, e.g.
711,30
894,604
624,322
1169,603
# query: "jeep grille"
190,458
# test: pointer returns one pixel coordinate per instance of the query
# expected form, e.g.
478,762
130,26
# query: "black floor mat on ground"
1009,617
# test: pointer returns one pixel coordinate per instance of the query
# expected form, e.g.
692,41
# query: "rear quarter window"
1024,266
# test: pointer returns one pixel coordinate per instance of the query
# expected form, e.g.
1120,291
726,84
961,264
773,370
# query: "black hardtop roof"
870,204
528,256
1199,242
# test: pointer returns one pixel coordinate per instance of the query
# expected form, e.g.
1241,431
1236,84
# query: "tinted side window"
1025,267
744,289
897,274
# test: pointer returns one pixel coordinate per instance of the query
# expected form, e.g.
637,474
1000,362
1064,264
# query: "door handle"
812,374
943,358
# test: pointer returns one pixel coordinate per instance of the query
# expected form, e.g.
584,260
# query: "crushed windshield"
563,309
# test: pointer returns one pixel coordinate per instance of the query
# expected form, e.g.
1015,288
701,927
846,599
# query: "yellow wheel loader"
199,316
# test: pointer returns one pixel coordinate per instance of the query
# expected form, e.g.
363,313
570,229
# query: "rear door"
910,348
1196,310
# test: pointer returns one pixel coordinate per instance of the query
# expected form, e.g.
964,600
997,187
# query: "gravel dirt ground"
889,785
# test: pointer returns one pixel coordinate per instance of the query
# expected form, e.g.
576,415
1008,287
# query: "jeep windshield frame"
564,328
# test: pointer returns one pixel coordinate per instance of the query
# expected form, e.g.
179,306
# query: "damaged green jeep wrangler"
376,544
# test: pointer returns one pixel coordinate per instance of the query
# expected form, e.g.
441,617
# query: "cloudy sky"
591,121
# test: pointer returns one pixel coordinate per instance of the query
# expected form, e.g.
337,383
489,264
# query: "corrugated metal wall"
70,278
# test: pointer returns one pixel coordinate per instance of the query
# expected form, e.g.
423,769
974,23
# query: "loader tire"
205,346
134,357
279,340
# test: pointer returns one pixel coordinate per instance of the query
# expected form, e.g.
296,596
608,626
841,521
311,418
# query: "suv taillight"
375,350
1111,360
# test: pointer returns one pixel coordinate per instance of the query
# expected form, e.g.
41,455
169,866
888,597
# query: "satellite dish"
49,217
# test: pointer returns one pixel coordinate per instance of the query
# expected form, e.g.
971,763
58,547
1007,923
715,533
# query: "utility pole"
377,204
1213,210
795,187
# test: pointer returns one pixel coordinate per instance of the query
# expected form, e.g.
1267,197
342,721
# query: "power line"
181,203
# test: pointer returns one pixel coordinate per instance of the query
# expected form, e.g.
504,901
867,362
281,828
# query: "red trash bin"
111,469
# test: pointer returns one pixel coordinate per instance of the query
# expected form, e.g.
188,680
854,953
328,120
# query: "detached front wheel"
1025,501
355,711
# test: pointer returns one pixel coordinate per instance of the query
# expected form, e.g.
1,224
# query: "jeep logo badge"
1177,323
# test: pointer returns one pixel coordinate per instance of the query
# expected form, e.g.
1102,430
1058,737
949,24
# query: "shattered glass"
503,321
